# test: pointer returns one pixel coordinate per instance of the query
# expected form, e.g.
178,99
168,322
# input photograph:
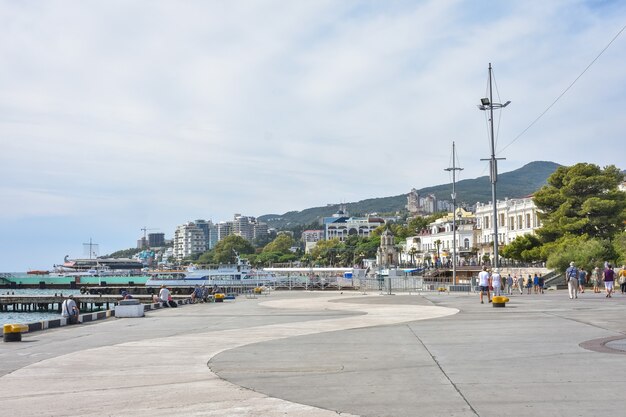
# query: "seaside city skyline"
116,116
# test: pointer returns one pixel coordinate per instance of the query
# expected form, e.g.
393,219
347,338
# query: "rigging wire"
497,133
566,90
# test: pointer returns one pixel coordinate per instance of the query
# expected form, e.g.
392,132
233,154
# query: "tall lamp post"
488,104
454,169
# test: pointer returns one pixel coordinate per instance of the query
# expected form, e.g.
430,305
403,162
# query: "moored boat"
240,274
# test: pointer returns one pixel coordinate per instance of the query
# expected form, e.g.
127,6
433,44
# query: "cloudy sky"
115,115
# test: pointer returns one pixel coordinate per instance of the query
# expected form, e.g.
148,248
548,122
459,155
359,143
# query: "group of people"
492,282
577,279
198,294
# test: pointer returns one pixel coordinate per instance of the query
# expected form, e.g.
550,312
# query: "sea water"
14,317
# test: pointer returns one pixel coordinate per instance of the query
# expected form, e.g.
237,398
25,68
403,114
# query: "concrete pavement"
323,354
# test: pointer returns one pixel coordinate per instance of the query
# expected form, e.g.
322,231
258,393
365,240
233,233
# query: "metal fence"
407,284
382,284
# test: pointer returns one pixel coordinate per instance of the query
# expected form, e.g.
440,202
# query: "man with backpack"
571,276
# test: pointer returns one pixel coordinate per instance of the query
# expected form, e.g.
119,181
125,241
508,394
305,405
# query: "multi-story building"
516,217
413,202
429,204
310,239
156,240
244,226
312,235
435,244
247,227
417,204
210,232
189,239
224,229
341,225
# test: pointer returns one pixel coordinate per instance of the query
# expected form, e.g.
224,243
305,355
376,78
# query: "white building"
342,227
436,242
516,217
310,239
189,239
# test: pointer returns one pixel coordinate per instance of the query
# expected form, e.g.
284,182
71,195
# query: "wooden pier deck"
86,302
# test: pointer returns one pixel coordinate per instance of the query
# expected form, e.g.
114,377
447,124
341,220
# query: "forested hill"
519,183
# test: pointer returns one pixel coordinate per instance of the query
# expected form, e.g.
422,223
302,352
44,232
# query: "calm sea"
19,317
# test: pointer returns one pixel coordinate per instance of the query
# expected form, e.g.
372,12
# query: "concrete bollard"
13,332
129,308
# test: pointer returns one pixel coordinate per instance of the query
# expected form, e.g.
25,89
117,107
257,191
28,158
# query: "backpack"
573,273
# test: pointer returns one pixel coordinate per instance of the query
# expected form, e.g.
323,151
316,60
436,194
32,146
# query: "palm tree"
438,245
412,252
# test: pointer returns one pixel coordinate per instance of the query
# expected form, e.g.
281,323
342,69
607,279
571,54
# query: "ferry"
223,275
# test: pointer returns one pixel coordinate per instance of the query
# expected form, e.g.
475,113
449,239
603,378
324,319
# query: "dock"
85,302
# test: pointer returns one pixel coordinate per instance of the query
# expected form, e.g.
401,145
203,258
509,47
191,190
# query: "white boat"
240,274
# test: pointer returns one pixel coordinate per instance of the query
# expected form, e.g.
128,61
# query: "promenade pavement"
323,354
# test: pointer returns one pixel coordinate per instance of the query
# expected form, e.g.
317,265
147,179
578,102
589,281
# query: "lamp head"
485,101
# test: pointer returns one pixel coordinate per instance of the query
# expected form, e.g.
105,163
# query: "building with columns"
435,244
516,217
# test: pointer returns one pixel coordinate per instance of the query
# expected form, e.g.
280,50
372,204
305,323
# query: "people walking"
519,283
582,280
529,284
595,279
509,284
609,278
622,279
571,276
483,283
541,283
496,282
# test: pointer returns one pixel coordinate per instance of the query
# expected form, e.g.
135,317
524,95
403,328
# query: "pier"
85,302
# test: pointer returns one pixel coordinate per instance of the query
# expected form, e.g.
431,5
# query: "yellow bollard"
13,332
499,301
219,297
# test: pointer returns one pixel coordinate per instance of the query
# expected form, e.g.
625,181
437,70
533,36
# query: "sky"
120,115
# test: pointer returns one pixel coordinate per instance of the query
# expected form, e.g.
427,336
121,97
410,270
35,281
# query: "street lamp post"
488,104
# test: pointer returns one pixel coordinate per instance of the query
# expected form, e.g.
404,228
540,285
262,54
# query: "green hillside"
514,184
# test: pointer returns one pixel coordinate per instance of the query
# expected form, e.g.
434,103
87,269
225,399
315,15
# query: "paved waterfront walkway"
327,354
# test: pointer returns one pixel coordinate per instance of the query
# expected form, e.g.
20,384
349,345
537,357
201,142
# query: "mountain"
514,184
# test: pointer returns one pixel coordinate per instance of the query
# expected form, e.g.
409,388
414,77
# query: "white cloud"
160,112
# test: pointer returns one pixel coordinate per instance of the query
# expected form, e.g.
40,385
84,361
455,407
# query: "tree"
584,251
282,244
581,200
124,253
224,251
524,248
582,211
619,246
412,252
325,251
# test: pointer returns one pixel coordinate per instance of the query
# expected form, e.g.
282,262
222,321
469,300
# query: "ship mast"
488,104
454,168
